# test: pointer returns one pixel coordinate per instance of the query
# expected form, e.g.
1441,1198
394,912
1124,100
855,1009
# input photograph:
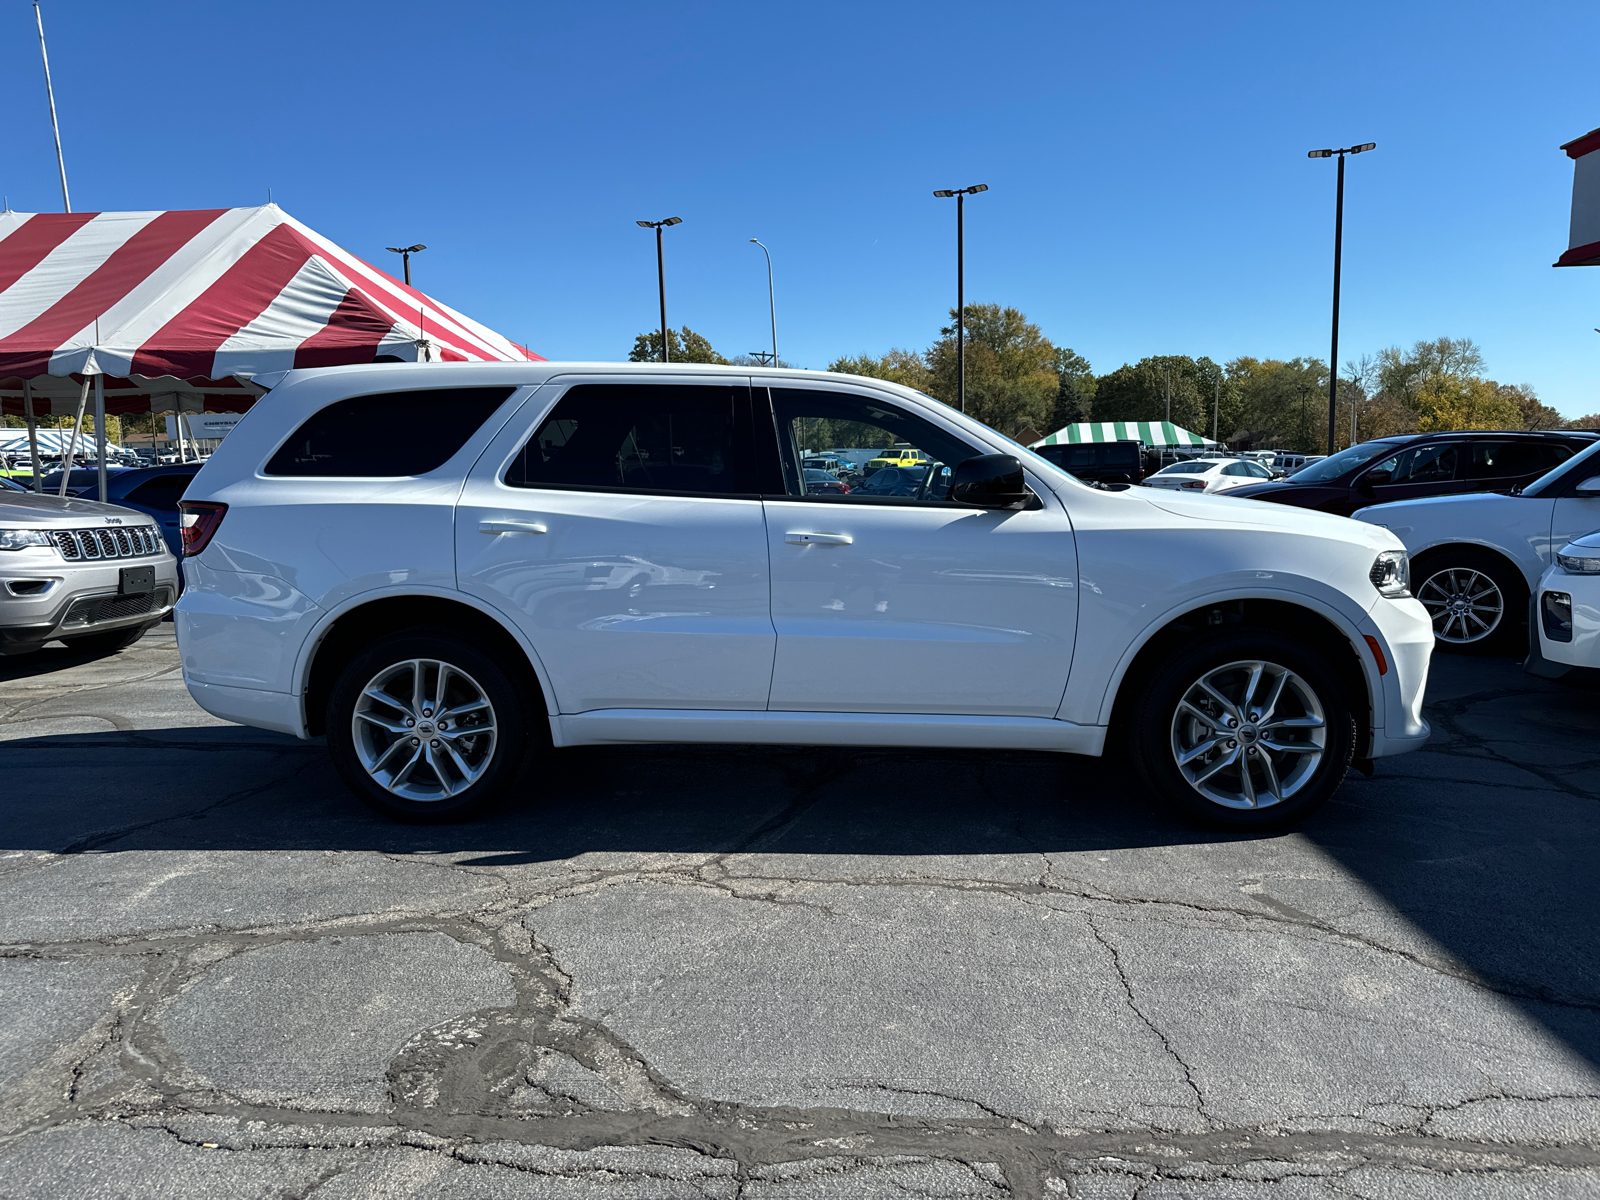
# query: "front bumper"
43,598
1583,650
1405,636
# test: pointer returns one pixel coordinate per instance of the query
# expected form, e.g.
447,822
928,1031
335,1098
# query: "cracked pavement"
762,973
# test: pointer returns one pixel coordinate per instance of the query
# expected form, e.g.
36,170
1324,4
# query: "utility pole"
961,195
1216,410
1338,248
772,303
661,278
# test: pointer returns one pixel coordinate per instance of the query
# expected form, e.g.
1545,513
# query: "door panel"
938,609
1572,517
631,599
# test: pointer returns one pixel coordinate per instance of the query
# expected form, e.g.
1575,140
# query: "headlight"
19,539
1391,574
1574,564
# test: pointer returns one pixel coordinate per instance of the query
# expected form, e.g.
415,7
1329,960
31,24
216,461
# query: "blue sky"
1150,190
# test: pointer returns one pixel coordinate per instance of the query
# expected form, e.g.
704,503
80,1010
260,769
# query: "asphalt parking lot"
788,972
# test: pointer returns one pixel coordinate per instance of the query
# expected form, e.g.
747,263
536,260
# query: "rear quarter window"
387,433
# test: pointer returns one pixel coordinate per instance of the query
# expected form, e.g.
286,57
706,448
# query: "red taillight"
199,520
1193,483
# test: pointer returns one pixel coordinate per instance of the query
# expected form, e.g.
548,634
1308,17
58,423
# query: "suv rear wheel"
1248,731
425,726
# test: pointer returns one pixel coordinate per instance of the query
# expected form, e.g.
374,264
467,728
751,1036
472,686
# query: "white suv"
446,567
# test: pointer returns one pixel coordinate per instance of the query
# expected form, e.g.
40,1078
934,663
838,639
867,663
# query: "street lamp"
661,277
772,304
405,253
1338,247
961,195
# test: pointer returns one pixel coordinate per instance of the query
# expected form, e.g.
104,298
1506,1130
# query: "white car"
605,553
1475,559
1567,611
1209,475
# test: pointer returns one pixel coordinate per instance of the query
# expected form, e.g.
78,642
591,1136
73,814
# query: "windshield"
1345,460
1186,468
1549,479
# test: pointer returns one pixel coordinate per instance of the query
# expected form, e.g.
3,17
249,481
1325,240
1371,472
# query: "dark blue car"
154,491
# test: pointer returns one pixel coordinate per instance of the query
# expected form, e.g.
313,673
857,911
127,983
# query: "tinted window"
807,420
164,491
643,437
1507,460
1338,464
1432,462
1186,468
388,433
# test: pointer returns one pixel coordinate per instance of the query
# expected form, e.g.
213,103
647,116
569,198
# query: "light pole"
1338,247
405,253
772,303
661,277
961,195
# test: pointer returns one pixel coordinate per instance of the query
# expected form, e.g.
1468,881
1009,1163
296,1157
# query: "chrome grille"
89,545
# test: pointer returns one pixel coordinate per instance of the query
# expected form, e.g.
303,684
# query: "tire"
420,772
1476,600
1175,716
108,643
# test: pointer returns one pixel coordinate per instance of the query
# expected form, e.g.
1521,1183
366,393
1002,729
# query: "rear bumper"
278,711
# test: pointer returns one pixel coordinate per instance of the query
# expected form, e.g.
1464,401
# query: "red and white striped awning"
190,304
1583,240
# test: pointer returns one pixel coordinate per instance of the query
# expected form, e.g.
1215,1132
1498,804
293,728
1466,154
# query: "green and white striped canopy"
1155,434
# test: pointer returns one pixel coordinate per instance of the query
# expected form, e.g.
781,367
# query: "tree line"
1022,384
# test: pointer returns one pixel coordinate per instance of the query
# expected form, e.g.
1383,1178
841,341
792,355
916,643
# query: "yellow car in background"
899,457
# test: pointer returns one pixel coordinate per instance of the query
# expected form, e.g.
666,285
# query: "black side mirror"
1372,479
990,481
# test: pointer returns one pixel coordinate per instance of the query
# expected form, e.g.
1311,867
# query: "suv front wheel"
424,726
1247,731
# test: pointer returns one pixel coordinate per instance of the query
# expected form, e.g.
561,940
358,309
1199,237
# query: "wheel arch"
1301,618
1422,558
345,631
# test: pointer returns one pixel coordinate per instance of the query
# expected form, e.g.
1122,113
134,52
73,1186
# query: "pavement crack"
1133,1005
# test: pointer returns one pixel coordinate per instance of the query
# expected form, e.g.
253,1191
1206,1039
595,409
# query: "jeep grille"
85,545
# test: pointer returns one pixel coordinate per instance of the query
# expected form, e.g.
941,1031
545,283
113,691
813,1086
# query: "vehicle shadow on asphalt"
1488,841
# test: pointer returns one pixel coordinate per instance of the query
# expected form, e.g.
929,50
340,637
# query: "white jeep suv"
447,567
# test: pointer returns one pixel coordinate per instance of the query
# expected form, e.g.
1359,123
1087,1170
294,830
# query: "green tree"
682,346
904,367
1139,393
1075,386
1010,367
1281,405
1449,401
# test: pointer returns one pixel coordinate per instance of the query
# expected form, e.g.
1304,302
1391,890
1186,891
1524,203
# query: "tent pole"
77,428
100,431
33,434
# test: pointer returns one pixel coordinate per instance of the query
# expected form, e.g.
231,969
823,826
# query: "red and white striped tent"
176,311
1583,240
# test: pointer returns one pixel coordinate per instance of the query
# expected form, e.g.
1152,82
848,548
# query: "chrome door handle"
511,527
800,538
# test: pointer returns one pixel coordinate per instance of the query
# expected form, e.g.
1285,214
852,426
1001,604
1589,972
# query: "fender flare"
308,648
1339,620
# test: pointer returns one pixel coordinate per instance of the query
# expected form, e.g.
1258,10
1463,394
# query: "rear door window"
667,438
162,492
387,434
1509,460
1431,463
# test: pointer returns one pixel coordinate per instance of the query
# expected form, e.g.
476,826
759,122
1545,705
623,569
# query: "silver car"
92,575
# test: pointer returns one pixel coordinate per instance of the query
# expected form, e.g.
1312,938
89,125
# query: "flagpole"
61,163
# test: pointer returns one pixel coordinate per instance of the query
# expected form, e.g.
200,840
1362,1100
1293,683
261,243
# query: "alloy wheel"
1248,734
1466,605
423,729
